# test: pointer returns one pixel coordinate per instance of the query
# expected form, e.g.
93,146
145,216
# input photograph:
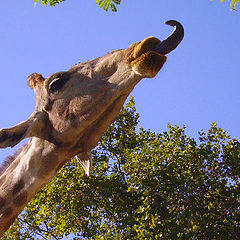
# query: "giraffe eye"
57,84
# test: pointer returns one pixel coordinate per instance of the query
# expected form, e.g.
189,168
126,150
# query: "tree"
144,186
105,4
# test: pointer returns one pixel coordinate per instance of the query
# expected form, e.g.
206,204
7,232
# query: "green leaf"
105,4
113,7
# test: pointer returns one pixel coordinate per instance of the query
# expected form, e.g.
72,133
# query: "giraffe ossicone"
73,110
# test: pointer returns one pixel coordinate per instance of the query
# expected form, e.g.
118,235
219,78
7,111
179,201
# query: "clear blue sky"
199,84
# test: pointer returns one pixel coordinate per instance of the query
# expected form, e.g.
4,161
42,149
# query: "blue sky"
199,83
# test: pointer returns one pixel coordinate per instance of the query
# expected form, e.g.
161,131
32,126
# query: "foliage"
144,186
105,4
50,2
233,4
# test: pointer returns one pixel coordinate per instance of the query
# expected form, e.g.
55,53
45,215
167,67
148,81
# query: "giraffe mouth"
152,44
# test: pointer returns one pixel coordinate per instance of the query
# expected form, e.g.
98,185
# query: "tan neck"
33,168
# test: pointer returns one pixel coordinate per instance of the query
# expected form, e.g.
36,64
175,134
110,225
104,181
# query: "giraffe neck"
33,168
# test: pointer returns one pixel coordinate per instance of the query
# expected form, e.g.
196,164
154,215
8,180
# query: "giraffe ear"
9,137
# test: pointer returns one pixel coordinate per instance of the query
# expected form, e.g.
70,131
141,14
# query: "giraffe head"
75,107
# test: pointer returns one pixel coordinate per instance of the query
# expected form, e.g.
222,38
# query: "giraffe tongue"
173,40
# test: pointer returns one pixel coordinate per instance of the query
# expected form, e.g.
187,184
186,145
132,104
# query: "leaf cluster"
145,185
233,4
106,4
50,2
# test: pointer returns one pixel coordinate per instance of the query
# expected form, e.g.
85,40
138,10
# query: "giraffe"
73,109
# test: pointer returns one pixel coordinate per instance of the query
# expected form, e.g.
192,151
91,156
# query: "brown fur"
9,159
34,79
2,202
10,222
18,186
143,59
20,199
7,211
149,64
